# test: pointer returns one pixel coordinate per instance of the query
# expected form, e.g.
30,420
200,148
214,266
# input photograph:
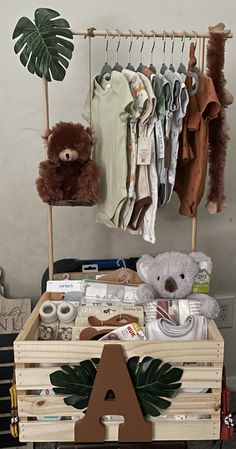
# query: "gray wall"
23,236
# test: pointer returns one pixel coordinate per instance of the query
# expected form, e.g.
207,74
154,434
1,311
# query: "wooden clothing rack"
90,33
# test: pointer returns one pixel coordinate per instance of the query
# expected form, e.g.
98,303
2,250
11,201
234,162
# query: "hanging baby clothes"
178,108
111,105
190,176
163,133
143,197
149,219
140,98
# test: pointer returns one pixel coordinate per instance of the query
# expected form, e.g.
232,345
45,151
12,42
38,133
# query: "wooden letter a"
113,375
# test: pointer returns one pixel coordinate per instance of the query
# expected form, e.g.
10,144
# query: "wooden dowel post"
49,208
201,59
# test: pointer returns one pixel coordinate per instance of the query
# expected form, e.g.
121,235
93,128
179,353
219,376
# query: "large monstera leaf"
44,46
76,381
153,381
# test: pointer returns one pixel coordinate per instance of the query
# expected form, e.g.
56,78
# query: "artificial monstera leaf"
76,381
44,46
154,381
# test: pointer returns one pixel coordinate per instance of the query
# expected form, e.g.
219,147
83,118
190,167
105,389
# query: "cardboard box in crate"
191,416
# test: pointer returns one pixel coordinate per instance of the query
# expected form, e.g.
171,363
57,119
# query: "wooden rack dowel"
92,32
49,208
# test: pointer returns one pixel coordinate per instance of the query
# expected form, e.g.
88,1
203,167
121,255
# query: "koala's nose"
170,285
67,156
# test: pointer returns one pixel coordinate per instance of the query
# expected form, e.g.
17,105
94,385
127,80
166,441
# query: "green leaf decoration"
43,46
76,381
153,381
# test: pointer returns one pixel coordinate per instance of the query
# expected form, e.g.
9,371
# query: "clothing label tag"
144,151
167,153
66,286
201,283
160,140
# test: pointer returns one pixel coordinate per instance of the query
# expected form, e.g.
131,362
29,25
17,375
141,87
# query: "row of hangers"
106,70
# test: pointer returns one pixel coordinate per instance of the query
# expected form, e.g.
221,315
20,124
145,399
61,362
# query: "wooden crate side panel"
193,376
214,333
34,405
75,351
45,431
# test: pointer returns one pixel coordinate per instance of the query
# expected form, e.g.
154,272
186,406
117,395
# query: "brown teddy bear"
69,173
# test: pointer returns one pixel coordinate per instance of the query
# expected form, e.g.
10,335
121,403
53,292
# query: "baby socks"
48,328
66,313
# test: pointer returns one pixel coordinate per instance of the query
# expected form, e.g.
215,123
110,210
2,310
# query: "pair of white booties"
56,320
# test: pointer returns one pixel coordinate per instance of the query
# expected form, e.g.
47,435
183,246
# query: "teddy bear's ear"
203,260
48,133
91,134
143,266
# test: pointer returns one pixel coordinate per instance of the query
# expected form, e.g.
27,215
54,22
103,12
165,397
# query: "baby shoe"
48,327
66,313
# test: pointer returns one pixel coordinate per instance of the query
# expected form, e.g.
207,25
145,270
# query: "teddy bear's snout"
170,285
68,155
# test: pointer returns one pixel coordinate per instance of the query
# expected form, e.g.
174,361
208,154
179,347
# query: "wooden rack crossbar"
92,32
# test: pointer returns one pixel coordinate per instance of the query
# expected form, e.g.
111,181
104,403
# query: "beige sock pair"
56,320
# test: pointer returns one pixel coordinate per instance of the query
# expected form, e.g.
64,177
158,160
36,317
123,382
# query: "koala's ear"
203,260
143,266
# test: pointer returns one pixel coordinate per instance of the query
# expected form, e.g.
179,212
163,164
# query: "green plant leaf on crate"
44,46
153,381
76,381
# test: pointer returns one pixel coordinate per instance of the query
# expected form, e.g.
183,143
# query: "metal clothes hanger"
177,85
106,69
140,66
187,73
195,69
164,66
129,65
171,67
151,66
118,67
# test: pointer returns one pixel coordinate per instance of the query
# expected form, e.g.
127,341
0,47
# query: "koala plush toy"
171,275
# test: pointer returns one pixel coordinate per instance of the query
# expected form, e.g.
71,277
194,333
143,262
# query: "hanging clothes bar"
93,32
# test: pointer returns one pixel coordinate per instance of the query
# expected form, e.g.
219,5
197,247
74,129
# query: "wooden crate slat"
30,378
33,405
44,431
74,351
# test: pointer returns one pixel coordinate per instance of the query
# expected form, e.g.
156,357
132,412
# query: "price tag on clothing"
160,140
167,153
144,150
